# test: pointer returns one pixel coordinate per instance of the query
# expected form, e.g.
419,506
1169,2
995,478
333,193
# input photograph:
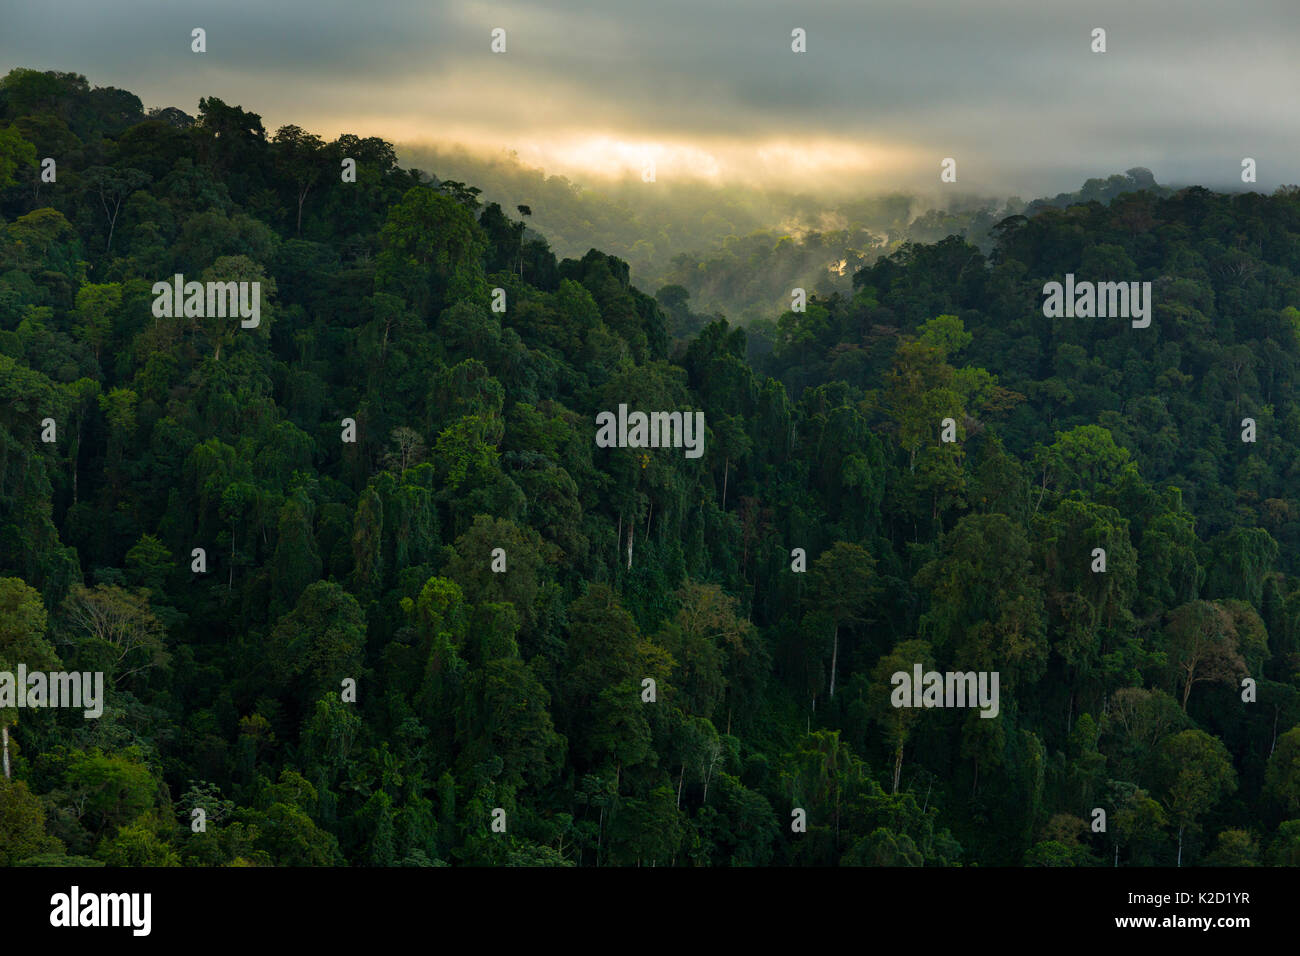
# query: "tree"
1235,848
22,824
471,561
296,563
113,186
319,643
986,603
1135,823
22,640
96,307
1203,646
300,158
109,790
408,449
513,723
140,843
1282,778
1197,774
118,624
1082,459
842,587
16,155
897,723
645,832
427,239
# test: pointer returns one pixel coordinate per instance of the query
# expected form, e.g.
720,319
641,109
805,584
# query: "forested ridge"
734,249
739,250
827,539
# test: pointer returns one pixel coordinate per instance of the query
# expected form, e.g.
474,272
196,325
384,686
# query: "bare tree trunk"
631,531
681,776
726,468
112,222
898,766
76,450
1180,846
714,754
4,732
835,656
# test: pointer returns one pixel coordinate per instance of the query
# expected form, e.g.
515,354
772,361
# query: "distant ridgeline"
396,539
738,251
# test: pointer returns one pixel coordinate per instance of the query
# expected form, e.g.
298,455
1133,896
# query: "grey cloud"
1006,86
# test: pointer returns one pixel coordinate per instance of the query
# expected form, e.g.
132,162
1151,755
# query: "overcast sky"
706,88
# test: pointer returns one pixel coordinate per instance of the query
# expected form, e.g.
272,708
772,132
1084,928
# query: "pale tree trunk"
714,753
4,732
1187,687
726,468
835,657
112,221
1180,846
631,531
76,450
898,766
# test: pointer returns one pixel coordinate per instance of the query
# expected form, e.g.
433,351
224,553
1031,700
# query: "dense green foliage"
522,690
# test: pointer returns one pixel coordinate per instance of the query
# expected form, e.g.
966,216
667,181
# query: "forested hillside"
431,645
734,249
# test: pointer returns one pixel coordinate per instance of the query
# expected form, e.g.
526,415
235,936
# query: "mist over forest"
739,250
